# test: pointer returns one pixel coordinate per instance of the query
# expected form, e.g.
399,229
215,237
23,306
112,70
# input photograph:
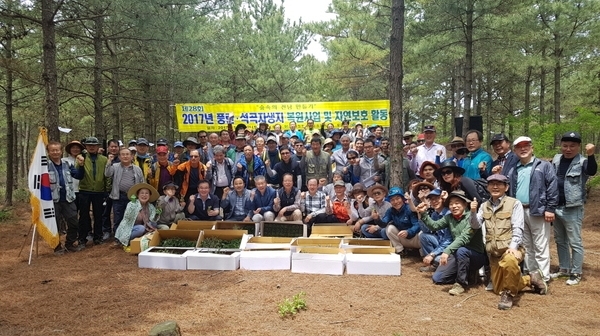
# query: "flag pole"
25,240
32,240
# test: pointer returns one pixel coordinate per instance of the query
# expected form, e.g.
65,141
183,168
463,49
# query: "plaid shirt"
313,205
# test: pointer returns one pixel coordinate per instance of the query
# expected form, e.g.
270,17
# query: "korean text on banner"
42,206
216,117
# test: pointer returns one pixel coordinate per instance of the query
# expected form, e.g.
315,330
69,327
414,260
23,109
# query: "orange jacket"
183,170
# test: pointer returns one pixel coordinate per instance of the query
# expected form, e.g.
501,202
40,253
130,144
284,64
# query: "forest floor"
101,291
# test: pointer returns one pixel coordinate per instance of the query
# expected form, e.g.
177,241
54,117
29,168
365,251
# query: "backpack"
481,186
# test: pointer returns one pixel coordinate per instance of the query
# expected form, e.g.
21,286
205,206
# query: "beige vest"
498,229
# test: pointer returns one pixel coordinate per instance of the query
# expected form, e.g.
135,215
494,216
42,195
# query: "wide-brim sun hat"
134,190
375,187
73,143
457,193
425,164
449,165
191,140
358,187
418,186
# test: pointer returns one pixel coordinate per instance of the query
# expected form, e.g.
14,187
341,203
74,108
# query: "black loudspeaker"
476,123
458,126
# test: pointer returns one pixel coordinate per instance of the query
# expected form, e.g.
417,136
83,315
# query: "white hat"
521,139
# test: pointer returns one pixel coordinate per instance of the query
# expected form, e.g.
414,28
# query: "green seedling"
290,307
177,242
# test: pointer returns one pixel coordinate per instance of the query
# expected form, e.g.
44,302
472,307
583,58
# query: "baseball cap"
241,136
132,148
178,144
91,141
571,136
497,177
162,142
143,141
132,142
408,134
434,192
421,136
396,191
272,138
339,183
429,128
499,137
161,149
521,139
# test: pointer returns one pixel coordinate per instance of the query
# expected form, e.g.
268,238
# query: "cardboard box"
217,259
267,243
315,242
319,260
251,228
135,244
331,231
224,235
153,258
283,229
373,261
210,260
160,235
263,260
193,225
365,243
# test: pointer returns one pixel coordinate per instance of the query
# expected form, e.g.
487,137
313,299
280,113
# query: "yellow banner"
215,117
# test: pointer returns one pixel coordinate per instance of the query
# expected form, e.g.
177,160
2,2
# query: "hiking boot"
506,300
457,289
490,286
562,273
81,245
73,248
574,279
537,282
106,236
427,269
59,250
98,242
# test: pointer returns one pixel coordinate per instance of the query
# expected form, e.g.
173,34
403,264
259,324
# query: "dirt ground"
101,291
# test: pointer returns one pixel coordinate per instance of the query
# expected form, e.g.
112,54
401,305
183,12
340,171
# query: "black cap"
162,142
571,136
429,128
499,137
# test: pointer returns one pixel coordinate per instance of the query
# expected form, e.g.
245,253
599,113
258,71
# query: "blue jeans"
118,208
429,242
459,266
379,234
139,230
567,233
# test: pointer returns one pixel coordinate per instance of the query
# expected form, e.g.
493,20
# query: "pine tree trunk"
10,138
527,111
468,65
49,75
97,85
557,72
396,92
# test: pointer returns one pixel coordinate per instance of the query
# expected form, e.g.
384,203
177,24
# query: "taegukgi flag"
42,206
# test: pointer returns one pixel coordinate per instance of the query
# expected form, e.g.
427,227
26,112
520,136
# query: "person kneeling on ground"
139,214
287,201
171,208
262,198
403,228
433,243
503,220
466,253
371,225
237,202
339,208
204,205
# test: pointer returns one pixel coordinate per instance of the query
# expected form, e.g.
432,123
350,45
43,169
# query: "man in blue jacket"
534,183
262,198
403,228
506,159
478,163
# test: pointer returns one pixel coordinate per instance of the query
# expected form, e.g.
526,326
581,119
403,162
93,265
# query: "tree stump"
166,328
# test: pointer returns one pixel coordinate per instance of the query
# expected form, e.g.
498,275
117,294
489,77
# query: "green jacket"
461,231
93,175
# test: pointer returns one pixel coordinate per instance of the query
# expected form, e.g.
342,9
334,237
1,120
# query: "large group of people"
465,210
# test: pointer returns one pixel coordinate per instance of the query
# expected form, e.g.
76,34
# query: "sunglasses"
447,172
